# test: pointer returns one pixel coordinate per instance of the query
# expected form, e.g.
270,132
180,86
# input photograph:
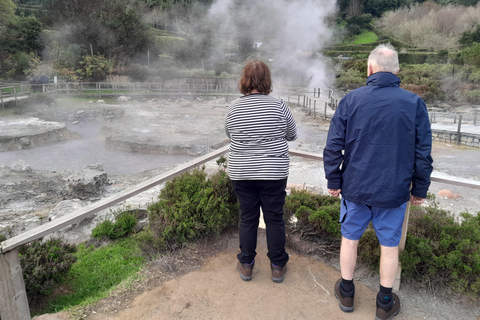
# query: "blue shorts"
387,222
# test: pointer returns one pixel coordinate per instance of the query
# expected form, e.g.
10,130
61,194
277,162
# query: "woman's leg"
247,195
272,196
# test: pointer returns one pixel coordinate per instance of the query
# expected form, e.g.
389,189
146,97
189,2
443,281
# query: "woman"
259,127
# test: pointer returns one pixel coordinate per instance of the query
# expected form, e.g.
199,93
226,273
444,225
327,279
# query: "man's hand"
416,201
335,192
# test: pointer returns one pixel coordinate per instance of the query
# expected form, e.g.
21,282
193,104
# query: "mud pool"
89,149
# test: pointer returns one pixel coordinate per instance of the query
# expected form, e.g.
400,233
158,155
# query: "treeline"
91,39
351,8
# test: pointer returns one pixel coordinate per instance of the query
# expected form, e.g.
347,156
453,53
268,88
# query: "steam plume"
291,29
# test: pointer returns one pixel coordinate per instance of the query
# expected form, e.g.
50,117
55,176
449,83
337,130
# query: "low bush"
123,225
314,210
473,96
440,249
45,264
189,207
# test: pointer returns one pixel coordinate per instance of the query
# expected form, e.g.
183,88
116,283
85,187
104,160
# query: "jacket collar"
383,79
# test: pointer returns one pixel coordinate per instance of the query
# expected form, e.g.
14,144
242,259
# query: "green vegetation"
97,271
125,222
439,248
44,265
190,206
321,212
365,37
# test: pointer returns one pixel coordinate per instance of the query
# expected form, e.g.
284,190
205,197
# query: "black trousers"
270,196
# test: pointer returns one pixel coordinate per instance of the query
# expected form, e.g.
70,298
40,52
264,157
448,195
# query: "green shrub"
350,79
137,72
44,265
123,225
189,207
440,249
321,212
369,249
473,96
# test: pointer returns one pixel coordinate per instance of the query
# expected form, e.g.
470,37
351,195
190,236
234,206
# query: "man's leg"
344,287
388,265
348,257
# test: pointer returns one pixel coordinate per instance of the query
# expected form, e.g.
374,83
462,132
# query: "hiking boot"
245,270
345,303
278,272
389,310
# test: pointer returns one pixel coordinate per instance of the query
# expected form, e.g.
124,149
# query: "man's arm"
423,148
333,152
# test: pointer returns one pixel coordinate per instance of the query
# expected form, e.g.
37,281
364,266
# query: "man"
378,158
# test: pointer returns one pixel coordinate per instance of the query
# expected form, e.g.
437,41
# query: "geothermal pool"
76,154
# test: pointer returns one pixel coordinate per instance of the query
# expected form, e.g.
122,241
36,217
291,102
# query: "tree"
469,37
471,55
28,34
355,8
7,12
7,16
377,7
107,27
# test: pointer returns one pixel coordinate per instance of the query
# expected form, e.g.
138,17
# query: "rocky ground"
30,197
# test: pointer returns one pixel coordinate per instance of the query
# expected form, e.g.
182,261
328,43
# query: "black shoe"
278,273
345,303
389,310
245,270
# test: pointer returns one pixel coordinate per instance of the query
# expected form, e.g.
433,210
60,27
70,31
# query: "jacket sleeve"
423,147
333,152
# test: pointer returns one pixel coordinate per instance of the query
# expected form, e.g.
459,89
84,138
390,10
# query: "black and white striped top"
259,127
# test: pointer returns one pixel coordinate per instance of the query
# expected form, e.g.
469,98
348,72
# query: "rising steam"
290,29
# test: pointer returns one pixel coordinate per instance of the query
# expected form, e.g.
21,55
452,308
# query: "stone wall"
468,139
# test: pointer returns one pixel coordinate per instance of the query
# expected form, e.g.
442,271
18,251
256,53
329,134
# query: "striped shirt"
259,127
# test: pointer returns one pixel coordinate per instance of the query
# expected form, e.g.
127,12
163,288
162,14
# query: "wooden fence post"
459,134
401,247
475,117
13,298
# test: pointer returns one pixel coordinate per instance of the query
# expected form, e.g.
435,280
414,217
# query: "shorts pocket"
343,210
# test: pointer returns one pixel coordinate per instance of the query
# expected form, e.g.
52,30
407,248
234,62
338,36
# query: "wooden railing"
13,93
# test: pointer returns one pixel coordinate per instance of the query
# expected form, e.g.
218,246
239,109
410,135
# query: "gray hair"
384,58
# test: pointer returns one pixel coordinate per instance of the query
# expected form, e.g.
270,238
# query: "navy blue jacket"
379,144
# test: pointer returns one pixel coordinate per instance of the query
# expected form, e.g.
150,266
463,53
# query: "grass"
97,271
365,37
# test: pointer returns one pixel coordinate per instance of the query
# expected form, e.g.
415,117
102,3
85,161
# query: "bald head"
383,58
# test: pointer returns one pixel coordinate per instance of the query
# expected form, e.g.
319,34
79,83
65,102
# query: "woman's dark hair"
255,76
